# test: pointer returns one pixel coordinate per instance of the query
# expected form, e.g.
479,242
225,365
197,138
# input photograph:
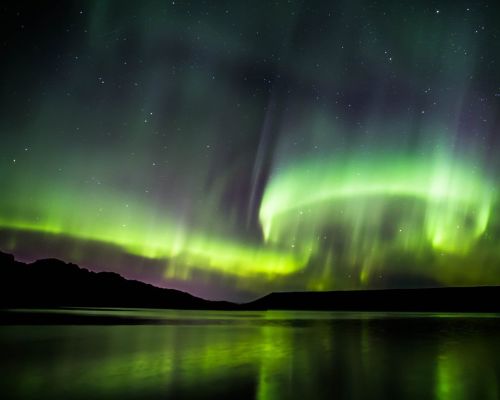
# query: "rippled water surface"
261,355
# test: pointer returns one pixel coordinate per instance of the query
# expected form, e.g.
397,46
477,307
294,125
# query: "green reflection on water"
255,355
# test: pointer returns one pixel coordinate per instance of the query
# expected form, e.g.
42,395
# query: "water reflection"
256,355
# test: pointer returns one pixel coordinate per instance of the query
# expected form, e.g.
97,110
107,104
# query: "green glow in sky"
240,148
377,204
456,198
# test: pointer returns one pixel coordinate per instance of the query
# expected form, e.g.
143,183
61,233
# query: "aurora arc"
211,149
454,197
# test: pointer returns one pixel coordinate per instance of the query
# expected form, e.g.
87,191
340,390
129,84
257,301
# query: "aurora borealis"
235,148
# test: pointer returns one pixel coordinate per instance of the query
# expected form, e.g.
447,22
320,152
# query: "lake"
251,355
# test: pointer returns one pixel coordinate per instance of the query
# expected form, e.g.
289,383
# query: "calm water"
261,355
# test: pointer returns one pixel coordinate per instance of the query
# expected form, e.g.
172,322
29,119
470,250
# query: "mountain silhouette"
54,283
443,299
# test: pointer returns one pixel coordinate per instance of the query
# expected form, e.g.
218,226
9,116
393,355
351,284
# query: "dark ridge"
53,283
444,299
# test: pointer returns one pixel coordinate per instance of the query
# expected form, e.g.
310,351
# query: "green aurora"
230,156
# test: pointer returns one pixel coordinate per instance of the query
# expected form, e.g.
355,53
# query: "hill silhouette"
54,283
443,299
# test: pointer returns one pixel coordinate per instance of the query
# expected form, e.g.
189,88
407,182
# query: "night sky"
233,148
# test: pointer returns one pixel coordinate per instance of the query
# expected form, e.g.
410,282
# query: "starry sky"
231,148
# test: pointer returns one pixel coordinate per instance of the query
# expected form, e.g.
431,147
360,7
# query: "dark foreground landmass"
445,299
52,283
